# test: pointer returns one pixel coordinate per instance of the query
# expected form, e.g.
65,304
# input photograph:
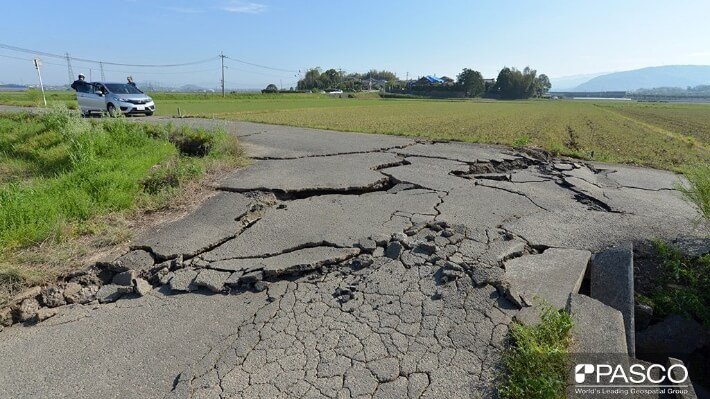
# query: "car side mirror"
99,93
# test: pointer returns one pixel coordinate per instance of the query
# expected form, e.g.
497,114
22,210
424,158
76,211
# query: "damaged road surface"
338,265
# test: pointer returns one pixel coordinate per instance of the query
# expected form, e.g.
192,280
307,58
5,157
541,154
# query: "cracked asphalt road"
358,265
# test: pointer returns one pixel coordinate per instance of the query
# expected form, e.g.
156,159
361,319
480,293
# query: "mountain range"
645,78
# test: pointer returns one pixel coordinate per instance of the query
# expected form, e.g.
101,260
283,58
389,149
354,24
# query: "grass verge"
75,185
537,360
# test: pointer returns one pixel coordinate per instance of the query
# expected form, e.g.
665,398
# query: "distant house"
373,84
488,83
430,80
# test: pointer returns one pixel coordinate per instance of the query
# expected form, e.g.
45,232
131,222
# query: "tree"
542,85
380,75
330,79
271,89
529,80
513,84
471,81
310,80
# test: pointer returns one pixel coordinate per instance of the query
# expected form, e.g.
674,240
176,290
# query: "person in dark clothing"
130,81
80,83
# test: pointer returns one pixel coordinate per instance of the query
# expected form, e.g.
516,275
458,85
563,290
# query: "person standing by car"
80,83
130,81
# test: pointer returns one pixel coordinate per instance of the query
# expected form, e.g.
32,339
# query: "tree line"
510,84
689,91
332,79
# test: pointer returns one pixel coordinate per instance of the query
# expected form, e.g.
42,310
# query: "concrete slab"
642,178
284,142
137,260
435,174
595,231
612,283
336,219
339,173
598,328
462,152
298,261
480,207
211,224
684,388
550,276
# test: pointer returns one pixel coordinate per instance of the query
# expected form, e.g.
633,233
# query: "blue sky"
559,38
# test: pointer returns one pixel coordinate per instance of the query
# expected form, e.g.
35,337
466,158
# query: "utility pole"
103,77
221,55
70,71
38,63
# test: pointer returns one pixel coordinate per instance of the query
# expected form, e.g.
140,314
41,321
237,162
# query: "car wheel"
112,110
149,113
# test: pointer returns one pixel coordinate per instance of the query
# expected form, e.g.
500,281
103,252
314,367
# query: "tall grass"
536,363
698,190
682,285
75,169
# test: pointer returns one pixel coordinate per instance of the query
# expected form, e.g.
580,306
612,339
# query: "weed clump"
698,191
521,141
683,285
168,176
537,361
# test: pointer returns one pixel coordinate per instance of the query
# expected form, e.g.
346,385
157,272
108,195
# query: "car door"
97,102
83,92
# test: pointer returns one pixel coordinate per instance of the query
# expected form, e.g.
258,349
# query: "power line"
165,73
68,59
79,59
257,72
122,71
30,59
51,55
261,66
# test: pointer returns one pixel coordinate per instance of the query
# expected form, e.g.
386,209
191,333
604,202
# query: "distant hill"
569,83
646,78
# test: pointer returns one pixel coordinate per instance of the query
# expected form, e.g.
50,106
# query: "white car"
113,98
334,92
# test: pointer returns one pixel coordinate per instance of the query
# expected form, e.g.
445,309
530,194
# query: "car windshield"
119,88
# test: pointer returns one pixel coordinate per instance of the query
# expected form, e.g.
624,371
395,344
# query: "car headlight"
123,100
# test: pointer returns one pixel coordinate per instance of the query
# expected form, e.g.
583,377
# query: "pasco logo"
633,374
581,371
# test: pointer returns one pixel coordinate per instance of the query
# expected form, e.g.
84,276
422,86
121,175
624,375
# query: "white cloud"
244,7
702,54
